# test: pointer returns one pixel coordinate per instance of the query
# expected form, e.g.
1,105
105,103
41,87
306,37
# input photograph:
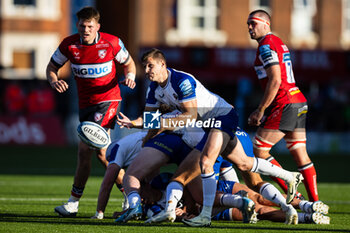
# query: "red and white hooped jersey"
272,51
93,66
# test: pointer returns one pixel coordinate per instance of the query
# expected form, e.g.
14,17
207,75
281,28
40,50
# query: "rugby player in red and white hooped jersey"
282,110
93,56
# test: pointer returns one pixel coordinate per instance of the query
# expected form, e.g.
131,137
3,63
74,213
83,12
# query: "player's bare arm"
273,84
129,72
52,77
106,187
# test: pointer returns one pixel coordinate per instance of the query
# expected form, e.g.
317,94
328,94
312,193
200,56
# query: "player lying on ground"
254,180
157,152
153,196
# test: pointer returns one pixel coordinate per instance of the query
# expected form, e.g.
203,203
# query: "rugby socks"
279,181
264,167
174,193
134,199
306,206
209,191
304,217
309,173
231,200
271,193
76,193
229,174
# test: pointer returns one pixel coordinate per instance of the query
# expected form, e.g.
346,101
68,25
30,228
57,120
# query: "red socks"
309,173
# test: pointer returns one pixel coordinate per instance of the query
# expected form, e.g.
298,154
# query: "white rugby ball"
93,134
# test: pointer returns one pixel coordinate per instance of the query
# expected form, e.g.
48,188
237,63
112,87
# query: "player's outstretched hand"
124,121
129,83
60,86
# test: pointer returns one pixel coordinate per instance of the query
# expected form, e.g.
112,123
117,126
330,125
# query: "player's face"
256,29
87,30
153,69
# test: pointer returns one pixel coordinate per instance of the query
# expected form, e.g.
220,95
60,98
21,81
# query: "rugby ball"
93,134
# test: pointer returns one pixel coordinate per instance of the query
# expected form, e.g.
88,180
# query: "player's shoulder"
107,36
270,39
112,39
177,76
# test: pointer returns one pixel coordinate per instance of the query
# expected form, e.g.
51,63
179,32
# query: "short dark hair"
260,11
88,13
153,53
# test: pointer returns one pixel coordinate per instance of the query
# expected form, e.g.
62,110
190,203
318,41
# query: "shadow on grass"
86,221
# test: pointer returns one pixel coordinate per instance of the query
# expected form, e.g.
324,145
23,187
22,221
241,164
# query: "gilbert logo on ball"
93,134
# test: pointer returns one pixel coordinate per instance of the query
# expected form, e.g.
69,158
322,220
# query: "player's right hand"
124,121
60,86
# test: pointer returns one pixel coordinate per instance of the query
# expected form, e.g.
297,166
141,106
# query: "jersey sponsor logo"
92,70
102,45
302,110
102,53
286,57
265,53
121,44
260,72
186,88
285,48
111,113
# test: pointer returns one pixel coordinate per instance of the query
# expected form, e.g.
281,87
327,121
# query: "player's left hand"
129,83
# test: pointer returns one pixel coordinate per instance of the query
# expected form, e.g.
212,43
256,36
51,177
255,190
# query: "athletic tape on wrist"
130,76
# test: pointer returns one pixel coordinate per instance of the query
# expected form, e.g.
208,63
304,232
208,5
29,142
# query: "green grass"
33,180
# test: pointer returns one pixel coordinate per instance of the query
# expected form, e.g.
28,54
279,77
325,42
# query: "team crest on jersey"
102,53
98,116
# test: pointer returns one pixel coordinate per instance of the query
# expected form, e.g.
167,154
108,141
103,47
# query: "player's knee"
244,166
206,162
293,144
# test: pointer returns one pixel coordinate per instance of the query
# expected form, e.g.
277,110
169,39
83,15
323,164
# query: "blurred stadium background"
207,38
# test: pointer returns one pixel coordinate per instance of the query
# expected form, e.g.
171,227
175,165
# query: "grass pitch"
35,180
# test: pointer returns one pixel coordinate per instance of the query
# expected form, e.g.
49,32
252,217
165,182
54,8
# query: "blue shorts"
247,144
225,186
220,163
172,145
229,124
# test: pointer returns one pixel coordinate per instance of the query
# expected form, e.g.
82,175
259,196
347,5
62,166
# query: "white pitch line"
50,199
